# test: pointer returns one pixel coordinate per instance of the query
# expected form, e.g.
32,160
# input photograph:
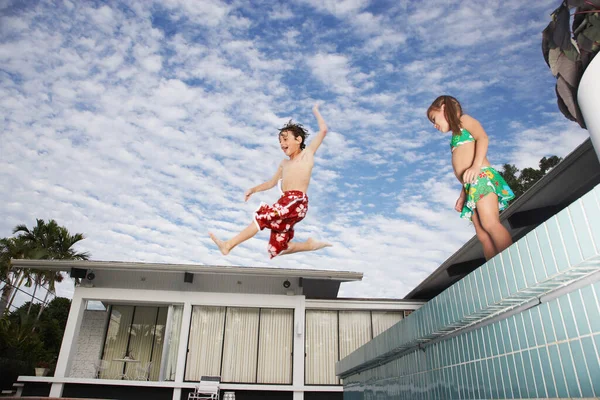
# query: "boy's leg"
489,250
226,246
310,245
489,216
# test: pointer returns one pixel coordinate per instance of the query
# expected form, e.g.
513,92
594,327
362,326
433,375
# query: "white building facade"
267,332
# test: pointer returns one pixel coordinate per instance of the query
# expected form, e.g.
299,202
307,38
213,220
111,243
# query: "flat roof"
575,175
66,265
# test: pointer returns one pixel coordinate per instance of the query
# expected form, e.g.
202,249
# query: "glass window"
95,305
333,334
172,344
240,350
206,342
384,320
117,338
355,330
240,344
133,346
275,346
321,347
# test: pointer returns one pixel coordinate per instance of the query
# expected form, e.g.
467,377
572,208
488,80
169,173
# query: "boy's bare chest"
299,165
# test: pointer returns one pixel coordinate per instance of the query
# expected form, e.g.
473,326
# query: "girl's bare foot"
316,245
221,244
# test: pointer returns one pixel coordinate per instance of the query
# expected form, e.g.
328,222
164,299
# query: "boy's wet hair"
297,130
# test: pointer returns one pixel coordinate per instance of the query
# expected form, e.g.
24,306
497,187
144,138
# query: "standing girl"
484,192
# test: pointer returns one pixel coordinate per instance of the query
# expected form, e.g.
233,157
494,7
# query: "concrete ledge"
176,385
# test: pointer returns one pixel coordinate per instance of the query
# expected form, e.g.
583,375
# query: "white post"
183,347
69,343
298,361
588,96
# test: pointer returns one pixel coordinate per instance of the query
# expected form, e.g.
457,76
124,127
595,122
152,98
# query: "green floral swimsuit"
488,181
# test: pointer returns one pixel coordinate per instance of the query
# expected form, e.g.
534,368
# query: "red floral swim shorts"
280,218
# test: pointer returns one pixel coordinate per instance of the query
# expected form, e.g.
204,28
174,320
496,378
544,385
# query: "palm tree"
47,240
13,248
9,248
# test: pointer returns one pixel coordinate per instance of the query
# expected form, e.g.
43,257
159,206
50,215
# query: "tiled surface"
550,350
511,358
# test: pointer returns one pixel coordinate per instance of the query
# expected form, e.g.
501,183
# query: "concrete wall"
588,97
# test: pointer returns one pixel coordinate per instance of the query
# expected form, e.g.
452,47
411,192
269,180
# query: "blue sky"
141,124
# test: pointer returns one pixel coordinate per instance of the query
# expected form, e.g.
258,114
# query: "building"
157,328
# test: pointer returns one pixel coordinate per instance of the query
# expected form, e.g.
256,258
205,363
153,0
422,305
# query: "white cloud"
339,8
142,126
556,138
280,12
334,71
205,12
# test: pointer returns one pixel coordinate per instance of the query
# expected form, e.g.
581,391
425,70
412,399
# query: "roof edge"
566,162
64,265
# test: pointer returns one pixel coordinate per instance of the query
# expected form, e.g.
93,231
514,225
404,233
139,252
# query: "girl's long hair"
452,111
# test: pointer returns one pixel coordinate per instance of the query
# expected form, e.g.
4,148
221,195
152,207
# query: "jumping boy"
294,177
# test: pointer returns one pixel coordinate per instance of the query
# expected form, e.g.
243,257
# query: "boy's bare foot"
316,245
222,245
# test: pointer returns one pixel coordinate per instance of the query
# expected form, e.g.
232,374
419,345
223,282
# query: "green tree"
510,174
521,182
52,325
10,248
22,347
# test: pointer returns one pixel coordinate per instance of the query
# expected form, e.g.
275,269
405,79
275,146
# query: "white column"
588,96
298,396
68,347
182,351
298,362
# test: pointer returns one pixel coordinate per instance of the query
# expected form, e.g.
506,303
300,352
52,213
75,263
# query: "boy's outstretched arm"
316,142
265,186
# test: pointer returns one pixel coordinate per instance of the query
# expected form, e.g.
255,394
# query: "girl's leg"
310,245
489,216
226,246
489,250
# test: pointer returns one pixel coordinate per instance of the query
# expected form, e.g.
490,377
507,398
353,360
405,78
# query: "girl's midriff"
462,159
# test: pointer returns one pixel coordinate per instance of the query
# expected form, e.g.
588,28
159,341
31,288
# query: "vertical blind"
275,346
384,320
321,347
206,342
242,345
331,335
355,330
